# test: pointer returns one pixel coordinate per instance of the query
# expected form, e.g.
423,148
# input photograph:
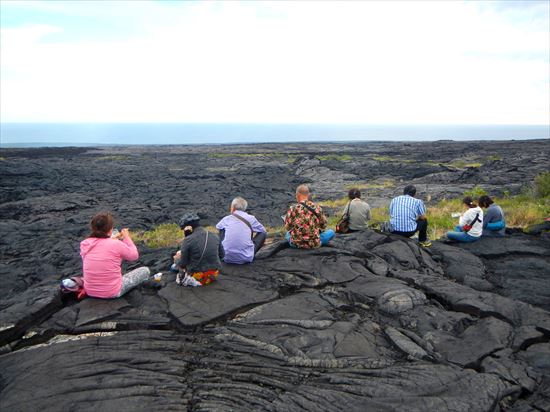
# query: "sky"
359,62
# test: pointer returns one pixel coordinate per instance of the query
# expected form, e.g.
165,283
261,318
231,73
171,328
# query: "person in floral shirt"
305,223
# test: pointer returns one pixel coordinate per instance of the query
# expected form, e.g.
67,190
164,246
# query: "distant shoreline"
68,145
108,134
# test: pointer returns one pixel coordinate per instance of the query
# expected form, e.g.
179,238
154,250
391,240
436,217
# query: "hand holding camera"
125,233
115,234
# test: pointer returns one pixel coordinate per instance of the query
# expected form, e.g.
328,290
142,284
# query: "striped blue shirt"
404,210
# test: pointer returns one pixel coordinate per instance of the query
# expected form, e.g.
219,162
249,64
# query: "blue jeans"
496,225
460,236
325,236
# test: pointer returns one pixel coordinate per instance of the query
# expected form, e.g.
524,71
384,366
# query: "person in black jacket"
199,260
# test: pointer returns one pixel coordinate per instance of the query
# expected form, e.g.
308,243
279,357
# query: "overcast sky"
409,62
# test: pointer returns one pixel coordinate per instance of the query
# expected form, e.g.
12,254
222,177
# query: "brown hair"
101,225
485,201
354,193
468,201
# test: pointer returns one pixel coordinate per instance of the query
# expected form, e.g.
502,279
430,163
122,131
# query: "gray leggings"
132,279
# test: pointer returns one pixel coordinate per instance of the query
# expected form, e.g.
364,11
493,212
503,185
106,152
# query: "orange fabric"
81,294
206,277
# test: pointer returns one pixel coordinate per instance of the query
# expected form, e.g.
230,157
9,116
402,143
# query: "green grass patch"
164,235
113,158
459,164
334,203
524,210
226,155
288,158
542,184
384,159
392,159
291,158
245,155
475,192
339,158
462,164
386,184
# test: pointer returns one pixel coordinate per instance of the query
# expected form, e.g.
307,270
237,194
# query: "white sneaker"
190,281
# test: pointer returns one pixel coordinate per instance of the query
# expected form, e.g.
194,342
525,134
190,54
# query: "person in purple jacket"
241,234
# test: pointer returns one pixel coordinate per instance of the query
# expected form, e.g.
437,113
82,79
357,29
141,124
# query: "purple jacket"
237,242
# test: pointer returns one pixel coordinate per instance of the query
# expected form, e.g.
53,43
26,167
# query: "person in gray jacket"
199,260
493,221
359,211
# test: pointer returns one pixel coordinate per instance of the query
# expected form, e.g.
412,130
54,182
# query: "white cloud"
356,62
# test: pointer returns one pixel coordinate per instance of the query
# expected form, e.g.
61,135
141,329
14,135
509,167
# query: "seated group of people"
473,223
241,235
408,216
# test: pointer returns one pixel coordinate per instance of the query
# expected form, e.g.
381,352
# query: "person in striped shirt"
408,216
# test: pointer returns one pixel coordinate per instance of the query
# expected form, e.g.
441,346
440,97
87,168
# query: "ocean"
95,134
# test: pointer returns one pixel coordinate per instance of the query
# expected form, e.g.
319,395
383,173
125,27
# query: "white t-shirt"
468,216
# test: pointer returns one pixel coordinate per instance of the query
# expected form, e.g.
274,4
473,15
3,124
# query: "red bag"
74,285
469,226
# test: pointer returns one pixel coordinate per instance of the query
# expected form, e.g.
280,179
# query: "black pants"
421,228
258,239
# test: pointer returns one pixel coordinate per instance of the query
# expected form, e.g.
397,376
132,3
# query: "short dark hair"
485,201
101,224
468,201
409,190
354,193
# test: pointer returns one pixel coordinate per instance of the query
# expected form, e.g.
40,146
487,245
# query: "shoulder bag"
242,219
343,224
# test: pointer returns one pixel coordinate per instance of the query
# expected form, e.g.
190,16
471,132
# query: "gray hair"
239,204
303,190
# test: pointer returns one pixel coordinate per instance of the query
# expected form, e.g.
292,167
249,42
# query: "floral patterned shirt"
304,226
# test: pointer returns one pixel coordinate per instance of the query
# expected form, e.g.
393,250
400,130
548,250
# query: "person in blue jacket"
493,221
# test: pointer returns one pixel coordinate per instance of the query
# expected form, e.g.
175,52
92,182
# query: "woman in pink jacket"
101,259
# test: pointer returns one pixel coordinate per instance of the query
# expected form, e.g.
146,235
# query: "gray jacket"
359,214
192,248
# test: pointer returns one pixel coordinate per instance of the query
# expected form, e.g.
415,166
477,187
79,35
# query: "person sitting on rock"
198,260
493,219
241,234
102,256
359,211
470,224
305,223
408,216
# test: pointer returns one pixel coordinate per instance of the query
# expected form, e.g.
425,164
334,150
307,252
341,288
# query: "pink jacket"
101,259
